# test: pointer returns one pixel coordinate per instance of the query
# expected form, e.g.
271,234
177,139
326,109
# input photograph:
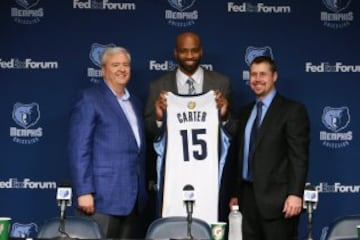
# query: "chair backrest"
75,227
343,228
177,228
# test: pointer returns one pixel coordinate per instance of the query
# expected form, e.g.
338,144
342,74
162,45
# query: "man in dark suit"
107,150
188,52
272,150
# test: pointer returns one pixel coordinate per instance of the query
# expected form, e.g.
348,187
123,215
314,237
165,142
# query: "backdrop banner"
49,50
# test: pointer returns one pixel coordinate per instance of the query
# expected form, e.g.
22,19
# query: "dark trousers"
120,227
255,227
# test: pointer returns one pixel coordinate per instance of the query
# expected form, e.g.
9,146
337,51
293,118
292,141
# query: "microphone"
63,197
189,198
311,198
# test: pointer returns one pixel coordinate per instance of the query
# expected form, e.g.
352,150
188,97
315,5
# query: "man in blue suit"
107,149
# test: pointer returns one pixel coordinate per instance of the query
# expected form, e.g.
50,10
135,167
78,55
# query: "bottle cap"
235,207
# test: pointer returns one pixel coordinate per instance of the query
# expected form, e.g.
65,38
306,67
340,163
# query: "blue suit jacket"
104,157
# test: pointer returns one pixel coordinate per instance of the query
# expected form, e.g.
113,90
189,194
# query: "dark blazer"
167,82
280,161
104,157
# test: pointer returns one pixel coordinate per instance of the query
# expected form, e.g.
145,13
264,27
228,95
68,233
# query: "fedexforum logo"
27,15
247,7
26,183
169,65
28,63
337,187
181,17
336,120
96,51
253,52
103,5
162,66
26,116
337,67
336,18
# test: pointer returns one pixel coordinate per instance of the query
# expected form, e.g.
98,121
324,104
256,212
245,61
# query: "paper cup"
218,230
4,228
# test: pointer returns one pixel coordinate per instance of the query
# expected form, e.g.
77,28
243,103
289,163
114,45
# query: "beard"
189,68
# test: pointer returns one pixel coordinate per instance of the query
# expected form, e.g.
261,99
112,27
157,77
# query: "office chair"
343,228
177,228
74,227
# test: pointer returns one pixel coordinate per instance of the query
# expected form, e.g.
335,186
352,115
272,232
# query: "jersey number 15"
195,140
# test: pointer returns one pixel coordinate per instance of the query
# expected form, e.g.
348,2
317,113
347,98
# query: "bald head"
187,36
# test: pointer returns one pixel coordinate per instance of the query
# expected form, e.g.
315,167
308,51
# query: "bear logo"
254,52
336,119
96,52
336,5
181,5
27,4
19,230
26,115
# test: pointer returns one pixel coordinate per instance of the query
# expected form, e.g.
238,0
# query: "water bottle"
235,221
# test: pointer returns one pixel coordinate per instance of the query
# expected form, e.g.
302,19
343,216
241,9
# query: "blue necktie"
191,90
253,138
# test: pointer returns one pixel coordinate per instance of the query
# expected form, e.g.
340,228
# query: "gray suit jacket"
167,82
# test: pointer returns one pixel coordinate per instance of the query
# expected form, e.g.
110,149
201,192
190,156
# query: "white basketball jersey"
192,155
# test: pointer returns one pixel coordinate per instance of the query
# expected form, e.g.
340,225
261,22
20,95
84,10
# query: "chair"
176,228
74,227
343,228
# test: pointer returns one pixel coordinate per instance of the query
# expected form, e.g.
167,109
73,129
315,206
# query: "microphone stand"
189,221
61,229
309,222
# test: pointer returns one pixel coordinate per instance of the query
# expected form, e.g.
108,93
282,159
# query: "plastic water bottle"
235,221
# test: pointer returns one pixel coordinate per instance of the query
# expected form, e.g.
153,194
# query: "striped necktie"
191,89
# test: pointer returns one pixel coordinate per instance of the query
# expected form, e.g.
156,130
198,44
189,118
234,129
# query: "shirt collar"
268,99
182,78
125,97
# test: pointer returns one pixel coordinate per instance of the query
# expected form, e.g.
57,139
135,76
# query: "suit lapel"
112,101
272,112
170,83
208,82
137,110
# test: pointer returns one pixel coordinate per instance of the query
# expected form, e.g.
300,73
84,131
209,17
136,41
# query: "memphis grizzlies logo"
19,230
181,5
336,5
27,14
96,52
253,52
27,4
336,119
26,115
